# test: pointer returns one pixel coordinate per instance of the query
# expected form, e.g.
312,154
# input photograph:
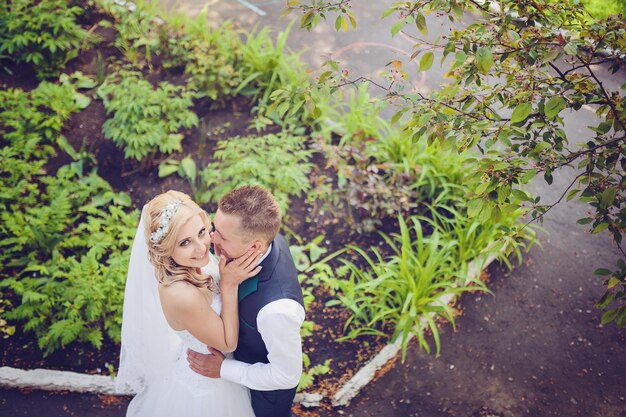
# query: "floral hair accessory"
164,223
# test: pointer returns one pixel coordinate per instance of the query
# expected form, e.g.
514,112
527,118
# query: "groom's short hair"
257,209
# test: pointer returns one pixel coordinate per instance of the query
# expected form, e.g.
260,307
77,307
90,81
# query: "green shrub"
222,63
31,122
601,9
44,33
64,238
212,58
266,67
279,163
65,244
146,119
137,32
381,171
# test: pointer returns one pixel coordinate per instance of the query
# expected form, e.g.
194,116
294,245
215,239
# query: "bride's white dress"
185,393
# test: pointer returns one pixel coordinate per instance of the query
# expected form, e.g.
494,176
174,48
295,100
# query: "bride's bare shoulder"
181,293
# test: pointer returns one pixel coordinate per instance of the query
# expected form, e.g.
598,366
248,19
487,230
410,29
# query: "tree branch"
606,95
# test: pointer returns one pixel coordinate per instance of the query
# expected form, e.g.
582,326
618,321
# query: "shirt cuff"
233,370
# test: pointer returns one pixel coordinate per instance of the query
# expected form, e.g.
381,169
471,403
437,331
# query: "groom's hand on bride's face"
206,365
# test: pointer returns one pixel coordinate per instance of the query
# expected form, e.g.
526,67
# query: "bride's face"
192,244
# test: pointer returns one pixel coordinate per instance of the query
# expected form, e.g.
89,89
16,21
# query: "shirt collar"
266,254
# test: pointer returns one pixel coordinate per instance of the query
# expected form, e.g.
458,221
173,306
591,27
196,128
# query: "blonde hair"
257,209
159,253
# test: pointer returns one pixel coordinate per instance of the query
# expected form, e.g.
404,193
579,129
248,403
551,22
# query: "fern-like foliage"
277,162
44,33
64,238
144,119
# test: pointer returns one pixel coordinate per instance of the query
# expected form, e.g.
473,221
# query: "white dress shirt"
279,324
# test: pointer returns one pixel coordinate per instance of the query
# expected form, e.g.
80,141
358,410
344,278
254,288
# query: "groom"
268,359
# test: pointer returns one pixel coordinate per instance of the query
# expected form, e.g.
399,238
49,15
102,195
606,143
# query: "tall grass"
408,290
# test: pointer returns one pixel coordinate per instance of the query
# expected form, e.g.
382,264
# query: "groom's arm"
279,325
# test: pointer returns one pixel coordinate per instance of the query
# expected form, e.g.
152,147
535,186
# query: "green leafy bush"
30,122
212,58
6,329
224,62
138,31
65,250
64,238
44,33
146,119
380,171
279,163
266,67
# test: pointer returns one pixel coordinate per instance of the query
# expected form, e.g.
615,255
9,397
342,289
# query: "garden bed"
346,195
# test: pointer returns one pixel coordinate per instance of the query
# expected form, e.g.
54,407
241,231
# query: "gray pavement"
535,348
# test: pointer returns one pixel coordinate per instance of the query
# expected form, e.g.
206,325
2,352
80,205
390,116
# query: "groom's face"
227,237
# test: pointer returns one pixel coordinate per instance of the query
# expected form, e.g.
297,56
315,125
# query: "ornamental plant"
254,160
70,238
144,119
65,236
406,291
44,33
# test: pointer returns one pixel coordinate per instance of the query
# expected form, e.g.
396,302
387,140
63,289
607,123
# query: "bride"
174,301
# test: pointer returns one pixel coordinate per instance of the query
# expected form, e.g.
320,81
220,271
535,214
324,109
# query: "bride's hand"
239,269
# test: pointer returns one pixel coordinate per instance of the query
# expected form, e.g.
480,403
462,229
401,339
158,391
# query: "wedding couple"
186,310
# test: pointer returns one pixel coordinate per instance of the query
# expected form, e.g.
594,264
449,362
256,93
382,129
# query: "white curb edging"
365,375
51,380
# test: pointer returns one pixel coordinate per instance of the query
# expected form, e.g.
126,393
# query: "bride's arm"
186,305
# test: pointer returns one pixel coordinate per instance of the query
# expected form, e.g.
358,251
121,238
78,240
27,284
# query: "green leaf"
572,194
608,317
600,227
65,145
474,207
338,23
521,112
398,115
307,19
554,106
189,168
459,59
528,175
167,168
396,27
123,199
352,19
427,61
541,146
571,49
420,22
613,282
484,59
82,101
344,24
602,271
585,220
520,195
607,197
547,176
